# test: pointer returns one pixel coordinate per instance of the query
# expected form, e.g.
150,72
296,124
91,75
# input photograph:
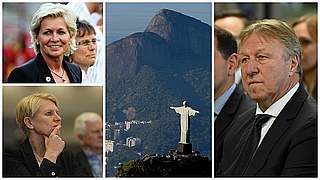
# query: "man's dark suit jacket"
288,149
82,159
237,103
37,71
21,162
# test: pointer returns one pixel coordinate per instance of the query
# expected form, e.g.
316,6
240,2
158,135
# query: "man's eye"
262,58
244,60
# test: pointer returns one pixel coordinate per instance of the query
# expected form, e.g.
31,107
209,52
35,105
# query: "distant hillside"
152,70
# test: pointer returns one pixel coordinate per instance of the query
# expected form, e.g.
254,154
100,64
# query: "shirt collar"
219,103
275,109
88,152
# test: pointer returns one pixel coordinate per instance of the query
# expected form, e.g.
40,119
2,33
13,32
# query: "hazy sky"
124,19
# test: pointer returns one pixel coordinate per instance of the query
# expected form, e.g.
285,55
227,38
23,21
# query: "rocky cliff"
170,39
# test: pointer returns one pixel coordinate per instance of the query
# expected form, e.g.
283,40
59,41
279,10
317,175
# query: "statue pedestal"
185,148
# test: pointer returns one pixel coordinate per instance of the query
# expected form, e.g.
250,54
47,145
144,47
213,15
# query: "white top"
237,76
84,77
274,110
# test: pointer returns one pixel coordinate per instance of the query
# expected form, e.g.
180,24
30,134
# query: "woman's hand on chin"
54,145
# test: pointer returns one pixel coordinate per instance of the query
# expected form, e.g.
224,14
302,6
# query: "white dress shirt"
274,110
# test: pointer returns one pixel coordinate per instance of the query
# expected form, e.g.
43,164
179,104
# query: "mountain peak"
171,38
167,21
182,32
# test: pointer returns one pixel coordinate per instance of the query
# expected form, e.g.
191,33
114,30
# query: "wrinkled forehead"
87,36
258,40
94,125
261,37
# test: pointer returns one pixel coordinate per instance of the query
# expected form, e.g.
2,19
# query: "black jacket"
20,161
288,149
82,159
37,71
237,104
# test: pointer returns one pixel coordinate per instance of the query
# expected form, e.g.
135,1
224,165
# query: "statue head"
184,103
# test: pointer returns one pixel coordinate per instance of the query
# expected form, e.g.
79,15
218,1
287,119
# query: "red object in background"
17,53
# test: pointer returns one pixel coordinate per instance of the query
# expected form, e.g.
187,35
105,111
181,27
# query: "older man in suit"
89,132
278,137
229,100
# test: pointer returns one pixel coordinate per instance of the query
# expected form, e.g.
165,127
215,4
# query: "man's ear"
28,122
80,138
232,64
293,65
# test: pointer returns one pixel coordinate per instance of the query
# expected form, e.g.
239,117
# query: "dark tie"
252,141
215,116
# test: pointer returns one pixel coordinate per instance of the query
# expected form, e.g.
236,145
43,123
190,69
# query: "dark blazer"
82,159
20,162
37,71
237,103
288,149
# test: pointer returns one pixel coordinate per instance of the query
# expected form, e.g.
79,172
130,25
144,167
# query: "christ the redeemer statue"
185,112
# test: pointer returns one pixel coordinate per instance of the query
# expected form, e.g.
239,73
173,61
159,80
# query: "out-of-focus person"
53,28
306,29
16,52
85,54
92,12
42,152
231,20
229,99
88,129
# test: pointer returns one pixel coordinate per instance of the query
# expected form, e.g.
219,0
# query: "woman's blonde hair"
29,105
54,10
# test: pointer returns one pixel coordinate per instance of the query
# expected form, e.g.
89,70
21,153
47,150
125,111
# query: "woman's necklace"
61,77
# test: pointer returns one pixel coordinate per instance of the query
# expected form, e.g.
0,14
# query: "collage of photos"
99,89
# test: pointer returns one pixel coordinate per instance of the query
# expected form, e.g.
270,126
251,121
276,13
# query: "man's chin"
255,97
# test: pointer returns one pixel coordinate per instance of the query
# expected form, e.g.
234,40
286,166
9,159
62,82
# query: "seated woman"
53,28
42,153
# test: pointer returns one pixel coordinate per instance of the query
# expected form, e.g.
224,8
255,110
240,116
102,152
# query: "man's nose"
252,67
92,47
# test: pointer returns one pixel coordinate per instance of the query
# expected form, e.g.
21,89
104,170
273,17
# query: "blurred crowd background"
282,11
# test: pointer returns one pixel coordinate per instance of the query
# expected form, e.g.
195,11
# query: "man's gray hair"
80,122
